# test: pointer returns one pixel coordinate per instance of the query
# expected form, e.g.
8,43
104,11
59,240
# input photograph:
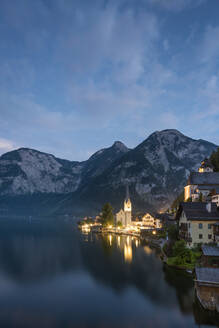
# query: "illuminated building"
125,216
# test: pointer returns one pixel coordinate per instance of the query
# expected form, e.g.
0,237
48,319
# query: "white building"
203,183
125,216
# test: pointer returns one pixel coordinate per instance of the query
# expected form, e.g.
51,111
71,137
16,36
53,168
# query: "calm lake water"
62,278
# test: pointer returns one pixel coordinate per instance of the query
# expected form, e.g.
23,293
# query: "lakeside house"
203,183
216,233
207,287
210,256
149,221
196,222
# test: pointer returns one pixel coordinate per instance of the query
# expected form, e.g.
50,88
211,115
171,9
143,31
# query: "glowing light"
110,240
110,227
147,250
128,253
136,243
119,239
154,232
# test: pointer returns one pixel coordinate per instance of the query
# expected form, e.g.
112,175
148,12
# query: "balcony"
183,227
186,236
216,230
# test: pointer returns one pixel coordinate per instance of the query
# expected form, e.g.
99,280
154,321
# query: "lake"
59,277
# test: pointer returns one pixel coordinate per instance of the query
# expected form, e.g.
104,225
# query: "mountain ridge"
155,170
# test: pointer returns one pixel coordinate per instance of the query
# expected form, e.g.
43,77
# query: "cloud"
6,145
210,48
86,73
176,5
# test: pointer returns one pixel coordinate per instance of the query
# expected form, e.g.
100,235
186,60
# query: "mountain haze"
156,171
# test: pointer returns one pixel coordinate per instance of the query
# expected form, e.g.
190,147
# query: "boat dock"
207,288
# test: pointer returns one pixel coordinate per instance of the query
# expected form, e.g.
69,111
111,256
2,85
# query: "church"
124,216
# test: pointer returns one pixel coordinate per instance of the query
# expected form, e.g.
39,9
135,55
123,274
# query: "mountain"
27,171
102,160
156,171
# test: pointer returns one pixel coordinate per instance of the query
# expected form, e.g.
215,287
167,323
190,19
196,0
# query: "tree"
183,254
107,214
119,224
214,158
179,249
200,199
177,201
172,232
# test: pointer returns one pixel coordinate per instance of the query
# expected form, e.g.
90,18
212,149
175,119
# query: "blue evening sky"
76,75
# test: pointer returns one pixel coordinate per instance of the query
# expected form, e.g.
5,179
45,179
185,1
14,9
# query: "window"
189,225
209,236
209,226
200,236
200,225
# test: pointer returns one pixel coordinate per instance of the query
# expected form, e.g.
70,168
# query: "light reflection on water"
125,244
68,279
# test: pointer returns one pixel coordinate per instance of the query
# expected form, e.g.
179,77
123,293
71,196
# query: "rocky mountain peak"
156,170
120,146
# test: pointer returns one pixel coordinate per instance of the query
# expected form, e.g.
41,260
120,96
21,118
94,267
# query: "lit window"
200,236
200,225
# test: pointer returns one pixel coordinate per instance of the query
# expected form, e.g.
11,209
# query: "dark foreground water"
61,278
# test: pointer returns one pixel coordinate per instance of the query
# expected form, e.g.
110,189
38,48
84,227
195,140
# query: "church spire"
127,192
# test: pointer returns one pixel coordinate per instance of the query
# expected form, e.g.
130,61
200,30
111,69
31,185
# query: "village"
188,239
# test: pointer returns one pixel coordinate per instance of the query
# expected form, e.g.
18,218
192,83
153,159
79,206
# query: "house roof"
198,211
210,250
206,275
209,187
205,178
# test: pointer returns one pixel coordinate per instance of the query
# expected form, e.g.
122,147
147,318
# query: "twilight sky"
76,75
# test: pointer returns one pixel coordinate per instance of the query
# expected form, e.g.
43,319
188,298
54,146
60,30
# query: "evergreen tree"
214,158
179,199
200,199
107,214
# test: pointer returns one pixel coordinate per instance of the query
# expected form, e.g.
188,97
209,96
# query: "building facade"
202,184
196,222
150,221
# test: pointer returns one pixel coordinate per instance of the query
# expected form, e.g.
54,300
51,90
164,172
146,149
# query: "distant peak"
168,131
119,145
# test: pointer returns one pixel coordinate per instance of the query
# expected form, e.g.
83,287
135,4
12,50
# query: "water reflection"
128,253
69,279
147,250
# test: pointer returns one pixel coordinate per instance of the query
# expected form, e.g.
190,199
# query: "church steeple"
127,192
127,202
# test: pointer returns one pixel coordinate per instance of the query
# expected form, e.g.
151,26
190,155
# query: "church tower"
128,208
206,166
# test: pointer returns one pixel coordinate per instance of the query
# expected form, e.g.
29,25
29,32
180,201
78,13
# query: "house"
207,287
150,221
196,220
210,256
216,233
203,182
